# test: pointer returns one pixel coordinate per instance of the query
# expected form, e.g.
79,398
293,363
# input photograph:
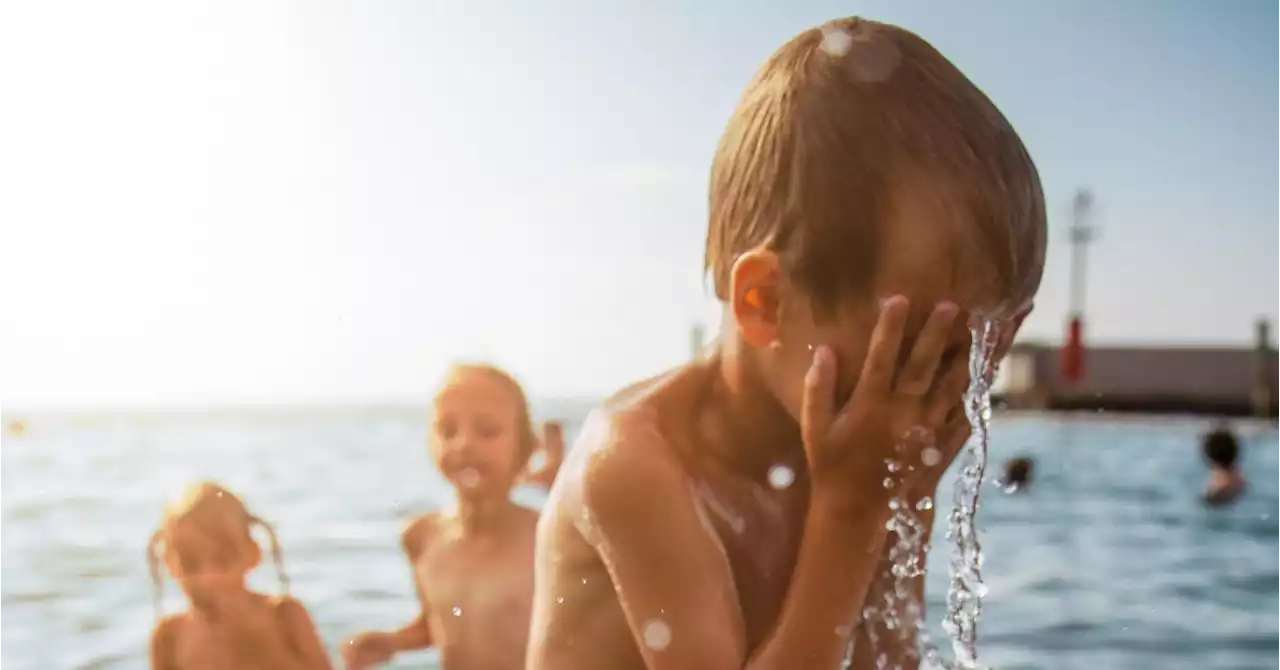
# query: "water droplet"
888,482
781,476
657,634
924,504
890,525
892,466
1010,488
983,590
868,613
894,504
559,600
457,611
930,456
835,42
584,580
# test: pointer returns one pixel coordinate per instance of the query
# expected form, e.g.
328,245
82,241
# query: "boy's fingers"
953,436
882,352
918,372
819,396
949,393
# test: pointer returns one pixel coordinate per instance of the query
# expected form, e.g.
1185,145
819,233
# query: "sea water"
1108,560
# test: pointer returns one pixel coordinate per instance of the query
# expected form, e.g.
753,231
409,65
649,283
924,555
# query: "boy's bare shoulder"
164,640
419,532
168,628
633,441
286,606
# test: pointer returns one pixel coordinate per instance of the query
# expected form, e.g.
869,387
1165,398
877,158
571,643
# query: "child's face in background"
210,564
475,439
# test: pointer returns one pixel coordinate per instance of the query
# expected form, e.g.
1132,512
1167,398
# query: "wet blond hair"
527,441
834,119
214,510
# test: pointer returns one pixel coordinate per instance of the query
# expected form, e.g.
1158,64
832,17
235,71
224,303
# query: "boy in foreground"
867,202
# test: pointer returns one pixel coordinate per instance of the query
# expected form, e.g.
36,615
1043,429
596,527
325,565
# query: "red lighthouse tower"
1081,235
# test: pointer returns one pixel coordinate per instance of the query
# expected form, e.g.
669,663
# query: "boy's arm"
415,540
162,645
676,587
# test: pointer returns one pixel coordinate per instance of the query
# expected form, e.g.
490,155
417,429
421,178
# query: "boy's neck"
480,515
743,424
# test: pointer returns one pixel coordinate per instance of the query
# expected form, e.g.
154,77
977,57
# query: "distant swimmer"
1017,474
1221,450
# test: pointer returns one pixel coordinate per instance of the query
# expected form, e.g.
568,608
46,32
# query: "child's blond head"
215,513
527,440
842,126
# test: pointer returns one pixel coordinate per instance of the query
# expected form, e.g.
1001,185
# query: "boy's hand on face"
953,383
889,418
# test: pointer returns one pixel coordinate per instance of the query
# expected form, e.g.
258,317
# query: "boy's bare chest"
760,530
483,583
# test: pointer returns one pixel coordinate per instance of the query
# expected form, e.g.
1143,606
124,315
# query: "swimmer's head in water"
205,540
1221,448
859,164
1017,472
481,432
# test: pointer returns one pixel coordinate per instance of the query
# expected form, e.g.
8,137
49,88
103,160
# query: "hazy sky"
260,202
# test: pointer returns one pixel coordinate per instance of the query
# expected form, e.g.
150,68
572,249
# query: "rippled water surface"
1107,561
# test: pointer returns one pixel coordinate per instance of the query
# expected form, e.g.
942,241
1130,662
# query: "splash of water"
964,597
899,611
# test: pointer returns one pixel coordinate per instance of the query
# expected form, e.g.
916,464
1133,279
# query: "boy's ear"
754,286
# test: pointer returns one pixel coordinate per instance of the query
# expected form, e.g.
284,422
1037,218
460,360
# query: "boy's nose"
460,445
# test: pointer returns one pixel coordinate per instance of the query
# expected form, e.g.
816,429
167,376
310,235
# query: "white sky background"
235,204
240,202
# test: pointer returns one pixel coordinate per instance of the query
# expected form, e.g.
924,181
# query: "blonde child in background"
205,542
472,565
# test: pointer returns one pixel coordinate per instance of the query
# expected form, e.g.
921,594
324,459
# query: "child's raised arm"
552,445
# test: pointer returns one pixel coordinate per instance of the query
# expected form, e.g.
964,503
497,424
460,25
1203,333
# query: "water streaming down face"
964,596
899,611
